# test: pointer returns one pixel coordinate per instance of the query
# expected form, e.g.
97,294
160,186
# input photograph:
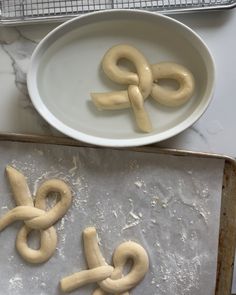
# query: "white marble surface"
215,130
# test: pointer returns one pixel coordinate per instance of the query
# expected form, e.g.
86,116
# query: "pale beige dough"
139,85
110,279
184,78
142,84
35,216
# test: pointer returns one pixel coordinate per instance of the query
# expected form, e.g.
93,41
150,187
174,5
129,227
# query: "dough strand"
85,277
170,98
95,258
36,217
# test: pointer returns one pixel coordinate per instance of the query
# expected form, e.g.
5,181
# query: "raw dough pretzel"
142,84
35,215
109,279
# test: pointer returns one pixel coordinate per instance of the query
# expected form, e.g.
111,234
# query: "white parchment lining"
169,204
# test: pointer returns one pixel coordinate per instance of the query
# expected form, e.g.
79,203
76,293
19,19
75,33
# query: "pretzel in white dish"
142,84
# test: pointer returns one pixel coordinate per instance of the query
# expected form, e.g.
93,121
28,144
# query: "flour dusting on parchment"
167,204
16,282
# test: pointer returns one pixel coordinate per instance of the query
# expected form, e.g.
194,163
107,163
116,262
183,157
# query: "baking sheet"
169,204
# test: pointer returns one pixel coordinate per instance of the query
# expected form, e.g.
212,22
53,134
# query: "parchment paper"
169,204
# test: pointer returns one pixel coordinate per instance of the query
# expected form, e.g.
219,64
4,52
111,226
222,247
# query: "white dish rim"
102,141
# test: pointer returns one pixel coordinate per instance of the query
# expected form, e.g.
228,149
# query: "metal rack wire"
20,11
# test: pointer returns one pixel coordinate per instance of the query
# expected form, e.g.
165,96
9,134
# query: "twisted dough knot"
35,215
142,84
110,279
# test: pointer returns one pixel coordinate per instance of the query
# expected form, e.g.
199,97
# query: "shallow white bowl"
65,68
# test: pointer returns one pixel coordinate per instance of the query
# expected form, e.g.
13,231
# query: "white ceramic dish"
65,68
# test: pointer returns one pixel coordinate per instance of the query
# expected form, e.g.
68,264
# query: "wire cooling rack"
20,11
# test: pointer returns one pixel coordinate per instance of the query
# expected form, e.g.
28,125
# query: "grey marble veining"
17,44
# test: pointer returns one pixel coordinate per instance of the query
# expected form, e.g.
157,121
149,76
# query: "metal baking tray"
33,11
227,234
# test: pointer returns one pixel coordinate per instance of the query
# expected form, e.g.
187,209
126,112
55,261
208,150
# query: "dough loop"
110,279
35,216
142,84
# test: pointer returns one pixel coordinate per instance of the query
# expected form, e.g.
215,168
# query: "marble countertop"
215,130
